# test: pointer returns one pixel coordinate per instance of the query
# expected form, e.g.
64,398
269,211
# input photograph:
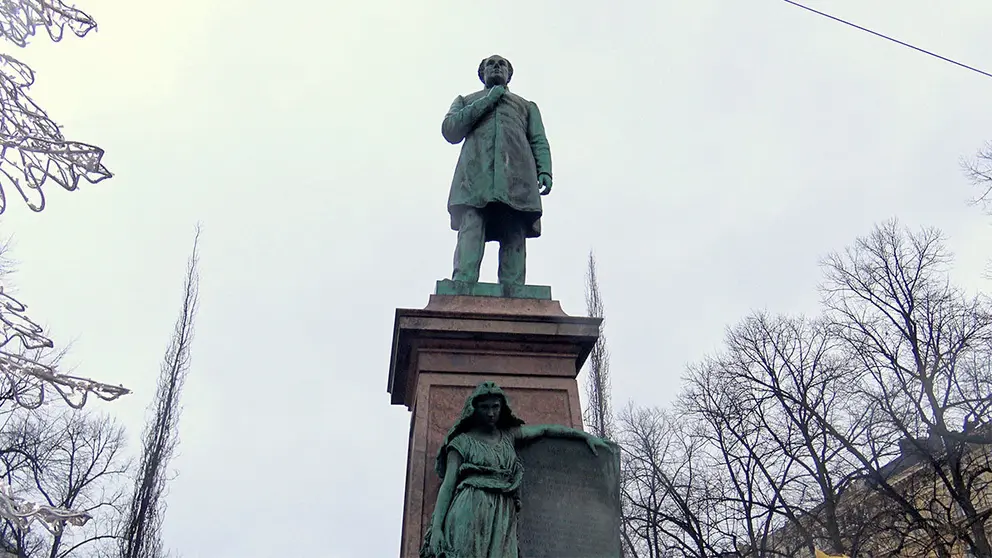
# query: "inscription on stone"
571,501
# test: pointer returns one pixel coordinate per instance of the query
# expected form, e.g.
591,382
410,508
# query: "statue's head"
495,70
486,406
488,410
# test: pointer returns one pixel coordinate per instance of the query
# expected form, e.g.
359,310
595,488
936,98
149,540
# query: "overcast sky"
710,152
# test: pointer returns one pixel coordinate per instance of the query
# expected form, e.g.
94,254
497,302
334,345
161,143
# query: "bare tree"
68,461
864,432
598,415
59,467
33,151
756,477
978,169
796,412
141,533
925,347
667,492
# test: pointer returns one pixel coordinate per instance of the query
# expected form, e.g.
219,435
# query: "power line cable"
886,37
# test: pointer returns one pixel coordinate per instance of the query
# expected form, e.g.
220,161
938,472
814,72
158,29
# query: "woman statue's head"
487,407
488,410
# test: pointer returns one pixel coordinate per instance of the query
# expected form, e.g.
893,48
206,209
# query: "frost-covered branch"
23,514
16,326
25,379
33,151
20,20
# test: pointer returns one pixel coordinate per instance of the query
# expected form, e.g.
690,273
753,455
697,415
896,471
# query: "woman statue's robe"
481,520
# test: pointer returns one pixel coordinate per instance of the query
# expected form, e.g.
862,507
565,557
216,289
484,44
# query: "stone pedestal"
528,346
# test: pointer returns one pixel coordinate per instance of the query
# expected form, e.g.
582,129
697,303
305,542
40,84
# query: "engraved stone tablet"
571,501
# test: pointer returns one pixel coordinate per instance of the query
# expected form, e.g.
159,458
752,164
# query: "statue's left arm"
527,433
538,141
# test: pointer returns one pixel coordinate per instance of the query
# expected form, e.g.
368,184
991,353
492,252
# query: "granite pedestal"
528,346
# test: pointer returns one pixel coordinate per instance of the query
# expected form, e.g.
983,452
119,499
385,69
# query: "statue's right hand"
497,91
435,543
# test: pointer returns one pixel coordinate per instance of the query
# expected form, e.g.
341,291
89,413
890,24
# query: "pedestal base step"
456,288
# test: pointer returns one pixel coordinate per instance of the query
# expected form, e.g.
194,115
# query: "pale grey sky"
710,152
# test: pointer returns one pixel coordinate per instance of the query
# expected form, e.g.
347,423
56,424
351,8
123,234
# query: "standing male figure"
503,170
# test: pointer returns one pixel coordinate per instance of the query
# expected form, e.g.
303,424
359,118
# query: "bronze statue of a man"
502,172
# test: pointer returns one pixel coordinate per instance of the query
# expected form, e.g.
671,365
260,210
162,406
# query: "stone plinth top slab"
487,335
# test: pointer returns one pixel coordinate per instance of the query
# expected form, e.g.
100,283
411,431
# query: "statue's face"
488,409
495,71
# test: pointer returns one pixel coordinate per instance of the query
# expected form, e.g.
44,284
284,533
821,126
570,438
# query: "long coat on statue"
500,161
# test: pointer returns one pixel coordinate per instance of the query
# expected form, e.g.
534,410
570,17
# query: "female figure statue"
476,511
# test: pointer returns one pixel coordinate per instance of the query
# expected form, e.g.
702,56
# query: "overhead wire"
888,38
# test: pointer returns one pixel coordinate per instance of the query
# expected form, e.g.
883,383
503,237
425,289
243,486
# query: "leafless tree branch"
978,169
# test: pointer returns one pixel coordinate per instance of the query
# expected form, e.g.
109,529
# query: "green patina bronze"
477,505
503,170
449,287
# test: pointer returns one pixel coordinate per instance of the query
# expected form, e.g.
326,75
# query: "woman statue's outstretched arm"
528,433
447,491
